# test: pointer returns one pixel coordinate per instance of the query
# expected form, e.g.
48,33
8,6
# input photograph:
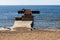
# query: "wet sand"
30,35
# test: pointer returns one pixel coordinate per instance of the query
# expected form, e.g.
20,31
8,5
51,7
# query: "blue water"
49,16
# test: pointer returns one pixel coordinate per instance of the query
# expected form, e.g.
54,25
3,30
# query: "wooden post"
27,16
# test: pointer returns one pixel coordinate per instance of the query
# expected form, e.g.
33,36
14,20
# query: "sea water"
49,16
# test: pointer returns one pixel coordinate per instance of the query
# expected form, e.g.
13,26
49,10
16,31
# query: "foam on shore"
3,28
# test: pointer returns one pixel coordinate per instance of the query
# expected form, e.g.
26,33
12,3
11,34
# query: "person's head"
27,12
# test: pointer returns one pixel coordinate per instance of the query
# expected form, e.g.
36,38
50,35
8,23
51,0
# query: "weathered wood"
25,18
34,12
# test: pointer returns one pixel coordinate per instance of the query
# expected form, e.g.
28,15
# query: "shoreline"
46,29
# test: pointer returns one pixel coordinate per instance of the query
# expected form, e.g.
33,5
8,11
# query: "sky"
29,2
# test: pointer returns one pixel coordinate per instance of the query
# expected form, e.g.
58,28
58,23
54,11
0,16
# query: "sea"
49,16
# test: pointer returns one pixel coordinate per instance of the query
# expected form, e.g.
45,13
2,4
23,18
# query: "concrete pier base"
21,24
